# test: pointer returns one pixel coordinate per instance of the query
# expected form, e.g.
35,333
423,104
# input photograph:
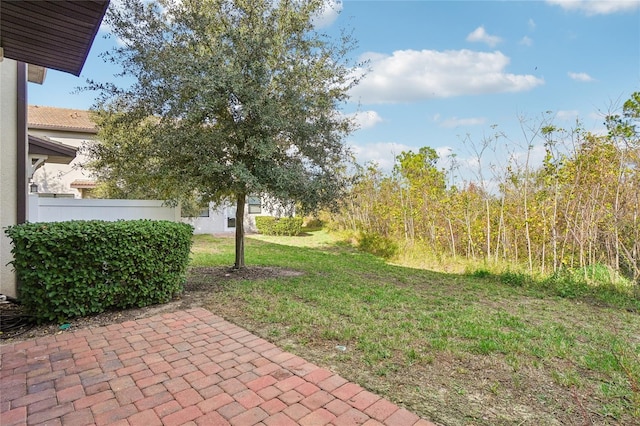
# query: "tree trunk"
240,231
554,228
496,248
527,233
453,239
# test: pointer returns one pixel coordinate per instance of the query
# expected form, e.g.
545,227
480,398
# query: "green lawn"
456,349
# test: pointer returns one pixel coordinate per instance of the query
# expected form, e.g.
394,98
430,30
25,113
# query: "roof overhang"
55,152
36,73
51,34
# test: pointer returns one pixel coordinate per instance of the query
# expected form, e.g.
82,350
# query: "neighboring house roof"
52,118
56,152
83,184
52,34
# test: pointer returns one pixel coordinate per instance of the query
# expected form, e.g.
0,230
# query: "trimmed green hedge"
269,225
77,268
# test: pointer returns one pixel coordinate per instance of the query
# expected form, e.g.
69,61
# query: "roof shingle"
74,120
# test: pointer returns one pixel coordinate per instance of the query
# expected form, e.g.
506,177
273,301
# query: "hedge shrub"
269,225
377,245
77,268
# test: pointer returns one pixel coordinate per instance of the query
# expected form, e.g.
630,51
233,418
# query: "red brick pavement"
188,367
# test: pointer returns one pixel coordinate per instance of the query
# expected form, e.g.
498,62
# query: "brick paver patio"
187,367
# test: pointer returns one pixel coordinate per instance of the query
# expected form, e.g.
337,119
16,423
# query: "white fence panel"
43,209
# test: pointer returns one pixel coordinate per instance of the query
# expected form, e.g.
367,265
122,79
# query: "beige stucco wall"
8,169
57,178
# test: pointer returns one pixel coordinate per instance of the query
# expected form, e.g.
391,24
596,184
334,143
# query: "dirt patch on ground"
199,280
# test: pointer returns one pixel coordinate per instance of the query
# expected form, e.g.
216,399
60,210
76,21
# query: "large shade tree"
230,98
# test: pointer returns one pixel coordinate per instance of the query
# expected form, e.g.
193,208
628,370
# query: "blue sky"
442,72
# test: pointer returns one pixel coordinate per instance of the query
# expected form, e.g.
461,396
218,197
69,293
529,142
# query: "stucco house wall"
221,220
8,169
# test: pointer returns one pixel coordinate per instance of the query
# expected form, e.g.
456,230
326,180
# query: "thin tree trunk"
412,223
617,221
405,221
470,251
636,247
496,250
240,231
488,239
554,228
544,240
453,240
526,212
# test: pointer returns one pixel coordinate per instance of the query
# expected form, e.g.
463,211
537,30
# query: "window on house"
202,213
231,222
255,205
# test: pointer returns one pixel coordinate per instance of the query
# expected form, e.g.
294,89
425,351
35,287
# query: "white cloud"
532,24
447,158
480,35
580,76
526,41
382,153
461,122
596,115
567,115
366,119
444,151
412,75
330,12
597,7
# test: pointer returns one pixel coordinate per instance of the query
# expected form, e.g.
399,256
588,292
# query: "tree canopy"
578,210
229,98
